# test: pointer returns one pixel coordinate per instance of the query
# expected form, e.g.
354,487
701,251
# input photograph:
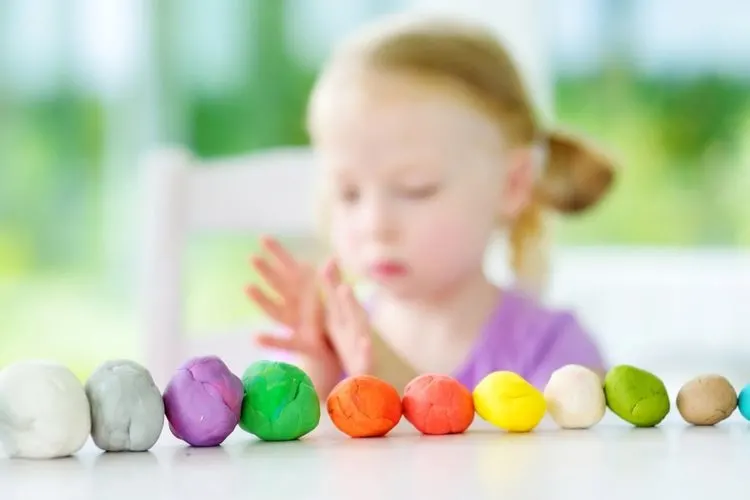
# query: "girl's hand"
301,309
347,324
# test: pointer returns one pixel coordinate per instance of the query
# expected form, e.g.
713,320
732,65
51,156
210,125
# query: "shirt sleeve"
563,342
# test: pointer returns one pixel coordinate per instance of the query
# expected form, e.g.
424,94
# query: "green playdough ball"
280,402
636,395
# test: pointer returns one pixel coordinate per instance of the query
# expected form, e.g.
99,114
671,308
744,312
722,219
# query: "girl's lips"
387,269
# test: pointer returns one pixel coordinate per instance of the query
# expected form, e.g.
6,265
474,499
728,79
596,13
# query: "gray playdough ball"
127,409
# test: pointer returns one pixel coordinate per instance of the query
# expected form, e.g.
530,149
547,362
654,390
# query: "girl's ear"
517,184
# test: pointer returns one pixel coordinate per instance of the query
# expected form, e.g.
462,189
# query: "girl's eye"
350,194
421,192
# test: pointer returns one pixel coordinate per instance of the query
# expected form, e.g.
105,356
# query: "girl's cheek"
346,246
450,242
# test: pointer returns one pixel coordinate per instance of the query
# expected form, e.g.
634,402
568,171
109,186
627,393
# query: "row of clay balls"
46,412
574,397
577,398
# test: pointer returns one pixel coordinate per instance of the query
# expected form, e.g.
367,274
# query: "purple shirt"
524,337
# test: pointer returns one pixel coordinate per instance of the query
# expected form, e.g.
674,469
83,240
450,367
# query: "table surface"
612,460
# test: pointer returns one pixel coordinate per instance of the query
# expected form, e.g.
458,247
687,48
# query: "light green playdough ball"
280,402
636,395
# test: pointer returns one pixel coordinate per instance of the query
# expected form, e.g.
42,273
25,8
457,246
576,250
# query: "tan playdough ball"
575,397
706,400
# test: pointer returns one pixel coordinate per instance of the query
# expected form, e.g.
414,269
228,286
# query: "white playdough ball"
575,397
44,411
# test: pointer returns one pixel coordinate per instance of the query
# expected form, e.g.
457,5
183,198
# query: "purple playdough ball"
203,401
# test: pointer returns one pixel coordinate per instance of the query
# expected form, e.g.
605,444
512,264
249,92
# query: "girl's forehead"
403,124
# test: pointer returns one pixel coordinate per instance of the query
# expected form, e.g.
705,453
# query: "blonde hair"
572,176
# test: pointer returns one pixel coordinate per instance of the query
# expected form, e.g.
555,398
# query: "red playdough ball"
438,404
364,406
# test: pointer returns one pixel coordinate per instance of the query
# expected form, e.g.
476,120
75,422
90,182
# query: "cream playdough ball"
575,397
44,411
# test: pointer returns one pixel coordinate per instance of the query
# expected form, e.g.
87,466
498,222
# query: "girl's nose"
381,221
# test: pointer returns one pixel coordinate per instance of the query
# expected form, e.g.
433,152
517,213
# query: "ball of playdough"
743,402
636,395
706,400
508,401
575,397
44,412
438,404
127,410
280,402
203,401
364,406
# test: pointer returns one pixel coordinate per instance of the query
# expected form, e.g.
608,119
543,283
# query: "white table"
611,461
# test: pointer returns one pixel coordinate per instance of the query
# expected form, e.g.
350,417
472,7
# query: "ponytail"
573,177
529,248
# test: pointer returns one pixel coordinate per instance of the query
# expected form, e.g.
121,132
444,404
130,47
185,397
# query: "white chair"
265,192
677,312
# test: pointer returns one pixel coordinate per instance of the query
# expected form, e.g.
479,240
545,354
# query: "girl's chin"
403,289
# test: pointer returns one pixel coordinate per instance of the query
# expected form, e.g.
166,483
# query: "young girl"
428,144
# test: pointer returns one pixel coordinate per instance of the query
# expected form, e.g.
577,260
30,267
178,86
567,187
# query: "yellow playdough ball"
506,400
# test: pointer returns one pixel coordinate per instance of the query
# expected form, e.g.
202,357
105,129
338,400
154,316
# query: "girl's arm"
324,371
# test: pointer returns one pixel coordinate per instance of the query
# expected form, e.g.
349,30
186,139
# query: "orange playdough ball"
438,404
364,406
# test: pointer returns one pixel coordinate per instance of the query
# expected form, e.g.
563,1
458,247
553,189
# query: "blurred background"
88,86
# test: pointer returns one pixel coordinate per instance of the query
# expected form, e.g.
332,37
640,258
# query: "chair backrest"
269,191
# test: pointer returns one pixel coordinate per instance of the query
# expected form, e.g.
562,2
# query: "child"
428,144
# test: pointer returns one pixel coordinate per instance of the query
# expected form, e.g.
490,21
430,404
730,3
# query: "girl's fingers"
331,279
337,328
276,311
275,277
284,259
310,309
355,313
329,292
362,354
292,343
270,341
333,307
360,314
333,273
344,298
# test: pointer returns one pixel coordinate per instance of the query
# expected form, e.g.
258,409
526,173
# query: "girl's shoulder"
530,338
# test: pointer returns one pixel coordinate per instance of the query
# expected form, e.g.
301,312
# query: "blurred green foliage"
681,148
